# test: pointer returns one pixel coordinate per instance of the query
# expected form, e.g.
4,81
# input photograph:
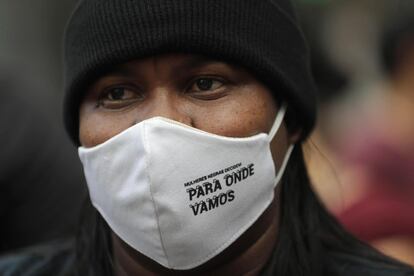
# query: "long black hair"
308,234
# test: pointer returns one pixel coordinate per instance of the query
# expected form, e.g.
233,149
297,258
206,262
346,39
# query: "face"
210,95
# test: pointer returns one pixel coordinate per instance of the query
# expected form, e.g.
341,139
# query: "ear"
294,136
293,126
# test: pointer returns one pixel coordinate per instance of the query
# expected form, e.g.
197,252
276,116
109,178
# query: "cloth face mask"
180,195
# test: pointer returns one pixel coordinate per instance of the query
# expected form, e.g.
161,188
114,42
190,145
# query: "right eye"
119,97
206,84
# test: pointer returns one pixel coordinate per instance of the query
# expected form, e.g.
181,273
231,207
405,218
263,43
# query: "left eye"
206,84
119,94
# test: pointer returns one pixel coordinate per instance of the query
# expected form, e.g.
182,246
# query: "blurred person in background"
363,162
379,151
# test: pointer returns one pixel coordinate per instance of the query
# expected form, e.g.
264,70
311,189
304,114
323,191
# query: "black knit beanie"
263,36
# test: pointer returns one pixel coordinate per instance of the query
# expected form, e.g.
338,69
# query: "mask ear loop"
275,128
278,121
284,164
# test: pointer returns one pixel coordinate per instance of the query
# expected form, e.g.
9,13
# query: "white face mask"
180,195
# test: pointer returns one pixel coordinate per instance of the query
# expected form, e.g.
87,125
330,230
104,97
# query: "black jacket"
58,259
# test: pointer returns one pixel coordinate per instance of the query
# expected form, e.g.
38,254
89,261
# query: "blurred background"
41,183
361,156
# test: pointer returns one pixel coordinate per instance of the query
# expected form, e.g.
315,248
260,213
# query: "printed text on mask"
210,195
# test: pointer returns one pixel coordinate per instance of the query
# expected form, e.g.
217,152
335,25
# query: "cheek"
96,127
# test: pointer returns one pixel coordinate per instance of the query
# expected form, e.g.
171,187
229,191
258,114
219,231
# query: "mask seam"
147,147
215,251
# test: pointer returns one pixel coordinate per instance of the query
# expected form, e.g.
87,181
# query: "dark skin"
206,94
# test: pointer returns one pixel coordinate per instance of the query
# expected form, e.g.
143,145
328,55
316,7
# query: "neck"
256,245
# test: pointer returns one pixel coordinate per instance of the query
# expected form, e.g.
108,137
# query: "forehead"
173,64
177,61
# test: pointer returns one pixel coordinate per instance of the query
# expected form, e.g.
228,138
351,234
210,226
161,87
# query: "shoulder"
57,258
344,264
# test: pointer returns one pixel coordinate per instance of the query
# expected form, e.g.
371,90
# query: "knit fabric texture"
262,36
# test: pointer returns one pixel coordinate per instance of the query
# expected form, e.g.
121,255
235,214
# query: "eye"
206,84
119,94
119,97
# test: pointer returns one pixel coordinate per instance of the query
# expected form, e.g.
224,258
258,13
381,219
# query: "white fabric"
170,192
